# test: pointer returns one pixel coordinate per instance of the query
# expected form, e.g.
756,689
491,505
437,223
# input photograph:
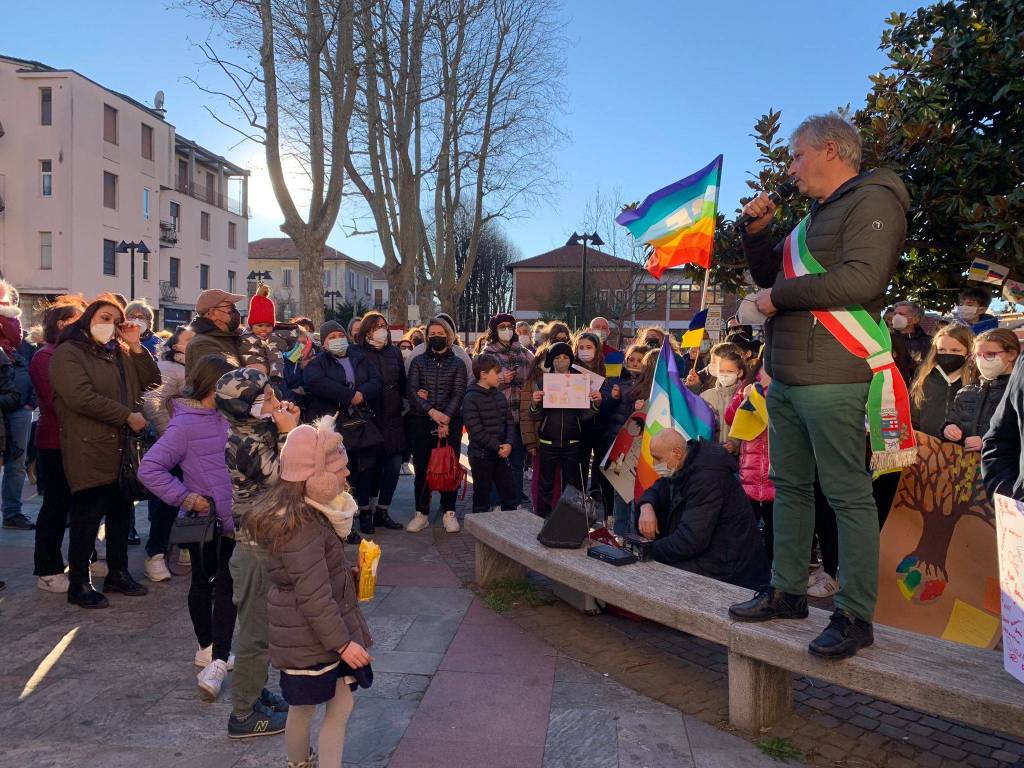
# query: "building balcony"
168,292
168,234
209,195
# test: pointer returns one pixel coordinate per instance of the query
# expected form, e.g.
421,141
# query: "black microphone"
782,192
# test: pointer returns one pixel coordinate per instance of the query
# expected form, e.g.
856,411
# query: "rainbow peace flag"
678,222
670,406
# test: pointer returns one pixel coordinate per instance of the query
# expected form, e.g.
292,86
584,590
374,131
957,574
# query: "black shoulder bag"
199,529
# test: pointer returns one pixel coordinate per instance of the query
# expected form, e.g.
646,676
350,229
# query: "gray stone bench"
937,676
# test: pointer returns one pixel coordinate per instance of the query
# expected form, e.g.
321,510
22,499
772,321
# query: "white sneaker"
823,586
212,678
99,569
184,558
57,583
418,523
156,569
495,508
451,523
204,657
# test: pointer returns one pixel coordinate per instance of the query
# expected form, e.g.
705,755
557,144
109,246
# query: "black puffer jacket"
857,236
443,376
614,412
975,404
561,426
488,419
705,519
938,393
390,367
1002,460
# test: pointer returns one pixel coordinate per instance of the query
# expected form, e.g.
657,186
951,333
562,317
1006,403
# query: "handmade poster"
566,390
593,379
1010,535
619,464
987,272
1013,291
937,559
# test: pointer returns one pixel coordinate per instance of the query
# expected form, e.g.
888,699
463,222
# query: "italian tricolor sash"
888,407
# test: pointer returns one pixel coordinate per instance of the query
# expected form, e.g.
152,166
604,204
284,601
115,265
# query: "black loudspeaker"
569,523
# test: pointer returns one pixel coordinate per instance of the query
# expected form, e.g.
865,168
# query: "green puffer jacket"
857,235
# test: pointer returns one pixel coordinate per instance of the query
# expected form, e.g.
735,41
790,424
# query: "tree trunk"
311,266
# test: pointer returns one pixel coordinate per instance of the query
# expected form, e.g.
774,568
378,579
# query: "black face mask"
653,344
949,362
234,320
437,343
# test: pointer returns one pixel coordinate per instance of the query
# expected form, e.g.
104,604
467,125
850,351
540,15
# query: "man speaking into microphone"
830,359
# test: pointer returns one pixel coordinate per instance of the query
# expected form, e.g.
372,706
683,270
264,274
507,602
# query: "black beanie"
560,348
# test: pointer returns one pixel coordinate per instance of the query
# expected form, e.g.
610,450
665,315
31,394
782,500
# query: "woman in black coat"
341,380
376,486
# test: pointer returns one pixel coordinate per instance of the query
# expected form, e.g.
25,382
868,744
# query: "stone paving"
456,685
831,725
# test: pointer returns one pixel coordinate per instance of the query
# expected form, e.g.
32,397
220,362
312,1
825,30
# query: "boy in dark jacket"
488,419
699,516
560,431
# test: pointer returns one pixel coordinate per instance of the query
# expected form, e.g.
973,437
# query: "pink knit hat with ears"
314,454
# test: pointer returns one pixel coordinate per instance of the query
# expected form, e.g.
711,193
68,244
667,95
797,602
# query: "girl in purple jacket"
195,440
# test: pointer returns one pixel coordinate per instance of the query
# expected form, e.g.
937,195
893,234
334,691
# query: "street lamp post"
595,240
260,276
131,248
332,295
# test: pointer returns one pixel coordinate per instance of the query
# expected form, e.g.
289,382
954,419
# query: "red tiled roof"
571,257
284,248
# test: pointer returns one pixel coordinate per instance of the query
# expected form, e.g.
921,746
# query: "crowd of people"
265,428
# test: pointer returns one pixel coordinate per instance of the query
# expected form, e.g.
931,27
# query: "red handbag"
444,472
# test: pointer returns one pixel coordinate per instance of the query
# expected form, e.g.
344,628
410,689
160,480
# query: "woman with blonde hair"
995,353
941,375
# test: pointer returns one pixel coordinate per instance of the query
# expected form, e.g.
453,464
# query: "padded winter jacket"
312,606
857,235
488,419
754,461
48,428
211,340
155,402
195,440
1002,460
561,426
96,389
938,393
443,376
513,357
705,519
719,398
975,404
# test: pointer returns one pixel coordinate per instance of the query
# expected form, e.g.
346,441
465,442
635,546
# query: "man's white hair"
817,130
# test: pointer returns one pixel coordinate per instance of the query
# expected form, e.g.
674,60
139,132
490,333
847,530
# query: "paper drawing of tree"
944,487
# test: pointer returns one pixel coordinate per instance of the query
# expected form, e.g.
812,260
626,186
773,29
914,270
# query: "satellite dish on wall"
158,101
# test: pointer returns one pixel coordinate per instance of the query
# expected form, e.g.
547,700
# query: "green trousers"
822,425
251,585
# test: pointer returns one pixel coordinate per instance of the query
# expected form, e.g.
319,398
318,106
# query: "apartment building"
345,280
84,168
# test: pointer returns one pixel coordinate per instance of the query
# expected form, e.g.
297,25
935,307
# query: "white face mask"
899,322
602,335
585,355
991,369
337,346
524,339
505,335
967,312
103,332
257,408
727,379
663,470
379,337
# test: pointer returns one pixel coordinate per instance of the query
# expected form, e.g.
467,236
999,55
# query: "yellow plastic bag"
369,558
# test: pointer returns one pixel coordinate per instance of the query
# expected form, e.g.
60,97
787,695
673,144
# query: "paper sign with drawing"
1010,535
566,390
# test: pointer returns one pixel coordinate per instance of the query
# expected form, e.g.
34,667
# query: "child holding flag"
747,415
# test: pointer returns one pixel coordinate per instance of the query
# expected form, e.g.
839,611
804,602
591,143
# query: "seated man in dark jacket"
699,516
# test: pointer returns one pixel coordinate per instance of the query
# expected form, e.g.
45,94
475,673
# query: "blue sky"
654,93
